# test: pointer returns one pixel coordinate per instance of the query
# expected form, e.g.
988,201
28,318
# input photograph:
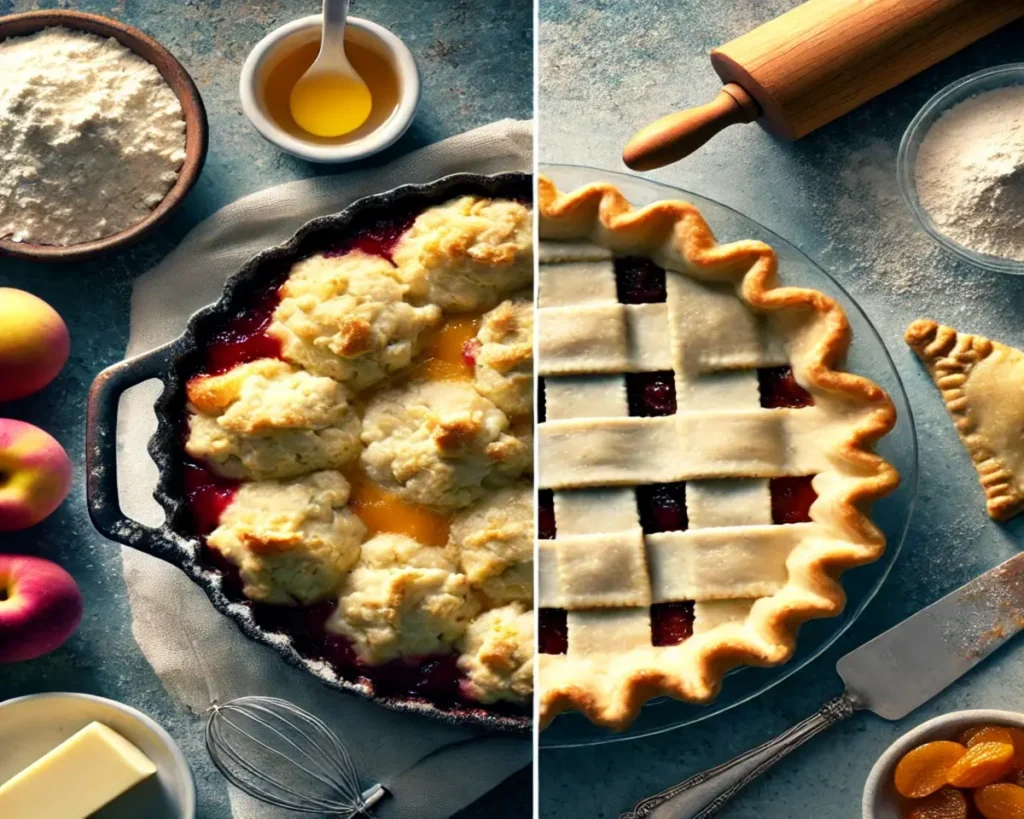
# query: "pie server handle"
101,454
704,794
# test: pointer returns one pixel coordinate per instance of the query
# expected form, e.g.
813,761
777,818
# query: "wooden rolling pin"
816,63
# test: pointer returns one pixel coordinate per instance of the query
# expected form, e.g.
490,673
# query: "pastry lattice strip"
601,567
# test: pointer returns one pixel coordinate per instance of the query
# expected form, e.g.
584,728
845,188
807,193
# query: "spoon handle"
701,796
335,15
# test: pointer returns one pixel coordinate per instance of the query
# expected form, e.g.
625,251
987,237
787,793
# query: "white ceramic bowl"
305,30
33,726
880,798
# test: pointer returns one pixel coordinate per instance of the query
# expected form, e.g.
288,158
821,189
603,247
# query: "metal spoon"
331,99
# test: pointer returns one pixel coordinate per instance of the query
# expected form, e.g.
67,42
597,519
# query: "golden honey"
293,61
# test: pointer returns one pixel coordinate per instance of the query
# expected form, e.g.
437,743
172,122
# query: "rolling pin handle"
680,134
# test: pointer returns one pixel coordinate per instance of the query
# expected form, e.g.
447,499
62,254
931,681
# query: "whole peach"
35,475
40,607
34,344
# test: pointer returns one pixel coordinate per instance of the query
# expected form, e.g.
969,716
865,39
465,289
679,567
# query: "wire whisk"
284,756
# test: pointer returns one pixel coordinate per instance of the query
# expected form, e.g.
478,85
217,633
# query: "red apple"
40,607
35,475
34,344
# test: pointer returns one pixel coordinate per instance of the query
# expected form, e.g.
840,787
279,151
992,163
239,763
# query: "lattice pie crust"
753,583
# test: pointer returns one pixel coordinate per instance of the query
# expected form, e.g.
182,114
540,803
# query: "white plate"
31,727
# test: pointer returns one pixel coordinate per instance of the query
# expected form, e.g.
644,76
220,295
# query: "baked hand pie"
982,385
705,471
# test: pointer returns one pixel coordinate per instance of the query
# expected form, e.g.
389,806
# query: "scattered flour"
970,173
91,138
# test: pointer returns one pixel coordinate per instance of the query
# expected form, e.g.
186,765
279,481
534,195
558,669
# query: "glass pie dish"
867,356
234,335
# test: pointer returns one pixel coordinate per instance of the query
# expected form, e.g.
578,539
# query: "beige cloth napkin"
432,770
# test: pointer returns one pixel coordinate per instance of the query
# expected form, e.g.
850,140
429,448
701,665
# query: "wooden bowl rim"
174,74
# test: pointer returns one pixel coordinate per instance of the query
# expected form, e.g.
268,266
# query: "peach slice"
448,351
385,512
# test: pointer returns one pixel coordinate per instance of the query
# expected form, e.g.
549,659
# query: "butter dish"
31,727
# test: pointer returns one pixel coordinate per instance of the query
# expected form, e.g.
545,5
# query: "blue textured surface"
475,57
606,68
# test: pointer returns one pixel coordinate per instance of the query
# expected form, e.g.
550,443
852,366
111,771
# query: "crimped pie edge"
674,231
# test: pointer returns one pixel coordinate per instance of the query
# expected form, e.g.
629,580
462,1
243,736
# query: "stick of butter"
76,778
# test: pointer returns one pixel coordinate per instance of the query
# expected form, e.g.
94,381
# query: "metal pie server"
890,675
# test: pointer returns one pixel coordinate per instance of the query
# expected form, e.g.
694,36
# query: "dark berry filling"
546,514
671,623
792,499
433,677
377,239
662,507
208,496
554,631
542,402
651,394
639,280
779,389
244,338
470,350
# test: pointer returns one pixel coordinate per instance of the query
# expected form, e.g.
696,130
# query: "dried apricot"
1017,735
924,770
1002,801
986,733
968,733
948,803
983,764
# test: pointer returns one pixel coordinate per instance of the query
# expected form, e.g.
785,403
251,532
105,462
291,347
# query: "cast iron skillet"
176,361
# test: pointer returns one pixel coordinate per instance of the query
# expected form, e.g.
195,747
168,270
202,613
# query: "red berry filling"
546,514
208,495
662,507
554,631
779,389
651,394
377,239
244,338
639,280
433,677
671,623
470,350
792,499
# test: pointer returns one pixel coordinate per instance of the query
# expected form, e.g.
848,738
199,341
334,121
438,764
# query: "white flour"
970,173
91,138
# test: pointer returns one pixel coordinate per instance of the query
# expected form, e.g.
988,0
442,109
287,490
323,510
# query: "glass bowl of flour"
961,168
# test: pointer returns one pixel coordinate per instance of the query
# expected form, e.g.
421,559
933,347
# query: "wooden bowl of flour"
196,126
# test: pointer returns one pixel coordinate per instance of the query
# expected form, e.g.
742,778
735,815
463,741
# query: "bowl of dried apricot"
965,765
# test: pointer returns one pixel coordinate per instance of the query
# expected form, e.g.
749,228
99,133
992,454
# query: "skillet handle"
101,454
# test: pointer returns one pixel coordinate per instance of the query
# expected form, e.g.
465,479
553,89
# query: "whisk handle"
373,795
